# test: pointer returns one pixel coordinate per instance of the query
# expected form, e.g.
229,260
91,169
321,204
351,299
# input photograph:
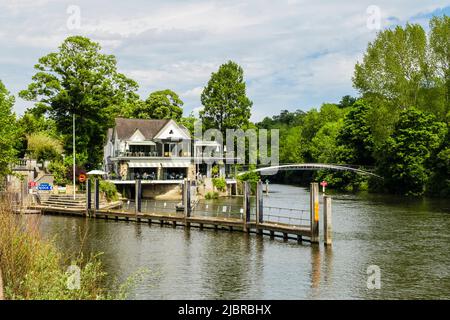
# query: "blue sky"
296,54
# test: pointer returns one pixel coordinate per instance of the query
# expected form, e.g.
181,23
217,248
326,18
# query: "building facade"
159,151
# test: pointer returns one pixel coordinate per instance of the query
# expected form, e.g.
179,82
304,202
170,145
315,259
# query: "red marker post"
323,184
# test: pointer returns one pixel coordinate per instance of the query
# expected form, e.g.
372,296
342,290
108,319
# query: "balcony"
149,154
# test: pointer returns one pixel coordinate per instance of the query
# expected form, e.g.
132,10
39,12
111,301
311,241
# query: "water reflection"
407,239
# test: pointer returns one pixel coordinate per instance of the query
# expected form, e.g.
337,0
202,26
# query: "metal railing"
295,217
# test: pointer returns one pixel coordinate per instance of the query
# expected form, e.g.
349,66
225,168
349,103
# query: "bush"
220,184
109,189
33,268
211,195
59,171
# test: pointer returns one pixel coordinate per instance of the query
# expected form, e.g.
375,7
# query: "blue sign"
45,187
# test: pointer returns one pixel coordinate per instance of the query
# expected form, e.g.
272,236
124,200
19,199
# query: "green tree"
440,55
43,147
164,104
8,131
395,67
80,80
355,138
408,152
226,105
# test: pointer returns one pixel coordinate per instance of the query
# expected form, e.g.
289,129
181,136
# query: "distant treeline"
399,125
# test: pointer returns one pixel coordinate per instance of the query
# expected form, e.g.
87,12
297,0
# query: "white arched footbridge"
311,166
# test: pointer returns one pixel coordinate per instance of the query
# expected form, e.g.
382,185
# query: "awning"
176,164
141,143
135,164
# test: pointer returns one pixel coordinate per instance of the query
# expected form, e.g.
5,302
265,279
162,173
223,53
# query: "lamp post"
74,167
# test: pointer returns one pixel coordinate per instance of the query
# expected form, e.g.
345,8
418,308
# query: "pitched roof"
125,128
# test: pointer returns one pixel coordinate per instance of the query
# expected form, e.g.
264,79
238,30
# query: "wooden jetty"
187,219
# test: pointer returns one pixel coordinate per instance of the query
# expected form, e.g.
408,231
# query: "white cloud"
295,53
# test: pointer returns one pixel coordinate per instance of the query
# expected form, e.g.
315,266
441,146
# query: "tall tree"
8,130
164,104
355,138
80,80
226,105
408,152
440,55
394,68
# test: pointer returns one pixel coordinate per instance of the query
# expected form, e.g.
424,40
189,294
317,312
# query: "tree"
43,147
440,55
394,68
79,80
408,152
355,138
226,105
8,131
164,104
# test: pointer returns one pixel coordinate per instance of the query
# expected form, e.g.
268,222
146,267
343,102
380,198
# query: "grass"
33,268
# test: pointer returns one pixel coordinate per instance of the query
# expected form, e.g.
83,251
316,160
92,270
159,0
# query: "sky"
295,54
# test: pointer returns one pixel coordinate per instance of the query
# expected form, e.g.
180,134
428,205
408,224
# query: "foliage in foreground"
35,269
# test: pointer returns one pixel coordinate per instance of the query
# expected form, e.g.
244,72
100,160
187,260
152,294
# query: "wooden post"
97,195
2,296
137,198
187,198
327,236
259,205
267,186
314,212
246,205
88,196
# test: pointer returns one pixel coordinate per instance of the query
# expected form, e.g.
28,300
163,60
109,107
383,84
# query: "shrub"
220,184
211,195
109,189
33,268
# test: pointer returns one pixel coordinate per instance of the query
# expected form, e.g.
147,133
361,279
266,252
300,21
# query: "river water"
408,239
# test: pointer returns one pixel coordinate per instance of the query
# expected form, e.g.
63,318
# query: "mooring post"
137,198
97,195
259,205
314,212
187,198
2,296
246,205
327,238
88,196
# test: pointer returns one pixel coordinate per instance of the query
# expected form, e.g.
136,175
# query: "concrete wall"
161,191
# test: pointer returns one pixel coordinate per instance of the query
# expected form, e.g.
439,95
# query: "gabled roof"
125,128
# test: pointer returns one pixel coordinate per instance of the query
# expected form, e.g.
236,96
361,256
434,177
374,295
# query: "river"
408,239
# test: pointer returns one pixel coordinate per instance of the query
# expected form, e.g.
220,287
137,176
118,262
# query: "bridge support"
259,206
138,196
314,212
246,206
96,195
327,238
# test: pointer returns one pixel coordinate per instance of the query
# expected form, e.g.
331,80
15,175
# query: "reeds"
34,268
